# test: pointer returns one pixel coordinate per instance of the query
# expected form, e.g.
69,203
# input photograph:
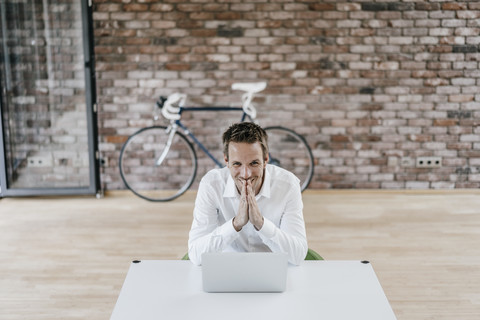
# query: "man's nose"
246,172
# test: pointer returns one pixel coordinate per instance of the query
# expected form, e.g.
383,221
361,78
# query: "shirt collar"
231,190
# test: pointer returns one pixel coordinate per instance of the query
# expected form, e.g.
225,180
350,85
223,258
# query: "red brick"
215,7
454,6
115,139
201,16
186,7
340,138
257,66
228,16
149,49
189,24
445,122
264,7
280,82
135,7
321,6
124,33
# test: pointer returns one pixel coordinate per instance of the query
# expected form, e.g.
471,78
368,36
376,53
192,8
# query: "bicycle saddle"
249,87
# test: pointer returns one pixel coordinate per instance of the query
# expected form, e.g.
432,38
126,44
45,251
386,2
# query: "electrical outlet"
429,162
40,162
104,162
407,162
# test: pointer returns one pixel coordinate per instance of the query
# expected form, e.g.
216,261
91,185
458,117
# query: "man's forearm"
293,242
201,241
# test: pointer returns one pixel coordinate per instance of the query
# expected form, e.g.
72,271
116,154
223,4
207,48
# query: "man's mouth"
246,180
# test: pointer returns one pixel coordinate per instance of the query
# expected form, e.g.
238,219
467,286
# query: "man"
249,205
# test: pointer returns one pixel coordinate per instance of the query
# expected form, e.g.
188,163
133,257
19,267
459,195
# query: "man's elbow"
300,254
194,257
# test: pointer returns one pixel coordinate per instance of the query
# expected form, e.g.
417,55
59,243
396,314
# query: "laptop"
244,272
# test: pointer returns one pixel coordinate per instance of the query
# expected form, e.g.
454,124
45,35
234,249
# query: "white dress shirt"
279,201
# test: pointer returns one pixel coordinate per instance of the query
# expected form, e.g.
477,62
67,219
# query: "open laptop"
244,272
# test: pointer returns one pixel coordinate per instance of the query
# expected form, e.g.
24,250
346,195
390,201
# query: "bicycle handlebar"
170,106
161,101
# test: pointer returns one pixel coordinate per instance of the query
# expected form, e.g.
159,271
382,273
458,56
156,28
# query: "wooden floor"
67,258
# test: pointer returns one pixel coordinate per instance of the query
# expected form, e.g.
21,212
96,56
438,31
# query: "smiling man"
249,205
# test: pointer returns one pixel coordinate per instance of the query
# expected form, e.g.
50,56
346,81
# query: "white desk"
315,290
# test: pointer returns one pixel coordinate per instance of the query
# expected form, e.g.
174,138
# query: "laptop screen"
244,272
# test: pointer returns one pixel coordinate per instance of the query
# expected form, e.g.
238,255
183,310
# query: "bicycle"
159,163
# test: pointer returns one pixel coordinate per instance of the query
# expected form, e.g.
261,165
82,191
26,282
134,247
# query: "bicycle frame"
178,123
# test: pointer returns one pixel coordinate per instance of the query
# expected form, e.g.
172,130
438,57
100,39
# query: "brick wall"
371,85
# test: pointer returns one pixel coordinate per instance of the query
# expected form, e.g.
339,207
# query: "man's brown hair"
245,132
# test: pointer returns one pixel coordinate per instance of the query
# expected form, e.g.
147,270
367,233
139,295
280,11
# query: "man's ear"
225,158
266,159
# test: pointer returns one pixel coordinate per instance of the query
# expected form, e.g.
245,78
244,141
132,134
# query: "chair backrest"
311,255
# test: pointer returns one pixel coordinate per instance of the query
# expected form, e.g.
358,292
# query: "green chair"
311,255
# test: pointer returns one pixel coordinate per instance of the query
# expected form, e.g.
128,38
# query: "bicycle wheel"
149,181
289,150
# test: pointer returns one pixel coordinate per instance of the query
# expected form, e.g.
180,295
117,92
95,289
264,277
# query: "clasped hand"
248,208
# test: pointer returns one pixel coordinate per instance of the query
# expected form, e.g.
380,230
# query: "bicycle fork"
171,130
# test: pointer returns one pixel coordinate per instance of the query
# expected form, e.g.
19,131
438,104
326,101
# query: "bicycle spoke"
154,182
290,151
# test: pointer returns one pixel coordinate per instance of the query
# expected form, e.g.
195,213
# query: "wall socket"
407,162
40,162
429,162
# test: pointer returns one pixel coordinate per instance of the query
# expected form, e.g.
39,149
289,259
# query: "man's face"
246,163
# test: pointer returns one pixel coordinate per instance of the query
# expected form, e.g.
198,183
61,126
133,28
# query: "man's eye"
255,163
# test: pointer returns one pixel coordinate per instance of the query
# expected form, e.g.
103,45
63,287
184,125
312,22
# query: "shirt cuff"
268,229
227,232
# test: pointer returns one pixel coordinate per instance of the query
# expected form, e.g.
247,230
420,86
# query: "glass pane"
44,103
